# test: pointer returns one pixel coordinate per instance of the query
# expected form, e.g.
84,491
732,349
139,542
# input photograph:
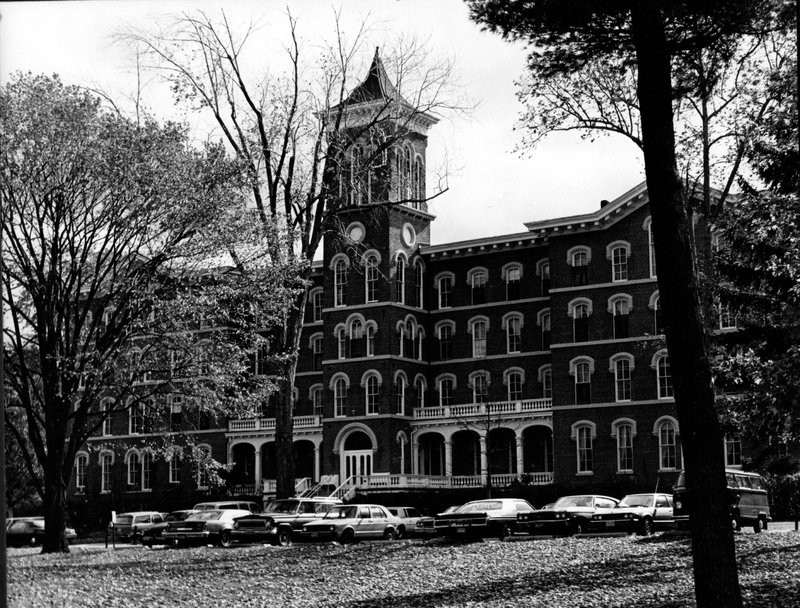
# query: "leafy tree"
102,220
564,36
293,134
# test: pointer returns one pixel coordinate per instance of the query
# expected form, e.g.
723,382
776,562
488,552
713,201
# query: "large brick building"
536,356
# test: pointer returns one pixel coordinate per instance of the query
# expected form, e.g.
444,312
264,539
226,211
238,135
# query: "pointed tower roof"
376,86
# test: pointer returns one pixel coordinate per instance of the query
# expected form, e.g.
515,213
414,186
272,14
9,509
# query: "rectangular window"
105,473
580,324
370,341
445,342
727,320
80,474
420,393
372,279
668,451
514,387
624,449
585,464
479,339
446,392
342,344
316,400
340,283
733,451
547,384
583,384
106,427
316,303
147,471
545,270
479,288
513,276
372,395
316,354
175,412
400,281
545,331
580,268
480,389
400,392
652,249
340,398
135,419
445,292
514,329
262,358
665,389
134,471
621,320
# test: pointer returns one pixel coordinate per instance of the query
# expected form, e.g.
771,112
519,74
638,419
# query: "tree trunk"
713,550
55,508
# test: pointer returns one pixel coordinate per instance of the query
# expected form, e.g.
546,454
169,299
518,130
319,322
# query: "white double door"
356,463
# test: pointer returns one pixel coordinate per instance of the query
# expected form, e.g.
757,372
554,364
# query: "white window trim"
540,264
473,271
575,303
578,249
511,370
620,297
511,266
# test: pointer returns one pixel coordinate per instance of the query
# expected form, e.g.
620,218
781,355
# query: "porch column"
484,460
257,469
520,456
317,473
448,458
414,458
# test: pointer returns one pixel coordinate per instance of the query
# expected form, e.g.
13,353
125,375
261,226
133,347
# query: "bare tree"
294,134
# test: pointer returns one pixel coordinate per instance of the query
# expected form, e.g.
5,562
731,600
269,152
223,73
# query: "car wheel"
346,537
283,538
505,531
401,532
136,539
389,534
735,524
759,525
225,539
147,543
647,527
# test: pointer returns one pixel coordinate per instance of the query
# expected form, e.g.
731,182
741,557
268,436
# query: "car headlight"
236,525
678,504
331,528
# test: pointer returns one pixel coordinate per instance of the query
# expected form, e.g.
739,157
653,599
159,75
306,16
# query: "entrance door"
356,463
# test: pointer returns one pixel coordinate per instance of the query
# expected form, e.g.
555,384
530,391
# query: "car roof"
140,513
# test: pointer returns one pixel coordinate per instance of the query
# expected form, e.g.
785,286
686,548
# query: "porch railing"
407,481
471,410
268,424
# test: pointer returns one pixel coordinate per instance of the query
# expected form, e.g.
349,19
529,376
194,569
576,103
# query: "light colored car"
413,523
641,513
489,517
281,521
568,515
130,526
225,505
349,523
203,528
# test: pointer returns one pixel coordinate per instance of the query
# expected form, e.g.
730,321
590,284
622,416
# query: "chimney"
603,203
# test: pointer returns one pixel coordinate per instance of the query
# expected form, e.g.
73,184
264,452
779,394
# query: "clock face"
409,236
356,233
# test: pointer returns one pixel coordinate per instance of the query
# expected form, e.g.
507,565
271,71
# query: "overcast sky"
492,188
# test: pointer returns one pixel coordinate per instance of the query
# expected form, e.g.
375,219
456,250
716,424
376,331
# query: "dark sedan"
491,517
569,515
29,533
154,534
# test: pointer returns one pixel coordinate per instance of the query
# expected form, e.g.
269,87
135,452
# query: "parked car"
568,515
349,523
29,531
225,505
491,517
131,526
413,523
747,496
203,528
640,513
153,535
281,521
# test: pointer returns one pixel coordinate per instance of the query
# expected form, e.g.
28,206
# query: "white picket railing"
268,424
472,410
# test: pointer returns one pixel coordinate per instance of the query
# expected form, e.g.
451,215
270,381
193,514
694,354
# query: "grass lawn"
626,572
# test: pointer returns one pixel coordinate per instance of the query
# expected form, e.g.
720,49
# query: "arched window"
400,280
356,338
733,450
419,389
106,465
400,383
619,305
582,368
621,366
480,386
478,278
651,248
175,466
623,430
444,285
371,278
134,469
147,470
419,276
543,320
578,258
660,363
371,328
340,397
445,330
340,283
371,387
106,405
513,276
447,385
514,379
655,306
203,461
315,392
584,432
667,445
316,305
316,352
618,253
419,181
81,464
479,328
135,418
546,378
513,324
580,322
341,336
543,270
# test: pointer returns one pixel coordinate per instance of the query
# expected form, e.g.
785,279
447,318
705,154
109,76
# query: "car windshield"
479,507
282,506
207,515
141,519
573,501
342,513
124,520
636,500
178,515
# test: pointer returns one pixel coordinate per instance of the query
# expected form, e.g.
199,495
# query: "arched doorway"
244,464
466,453
431,454
537,448
304,459
501,445
356,455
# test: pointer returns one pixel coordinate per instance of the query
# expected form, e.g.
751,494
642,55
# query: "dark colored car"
282,521
153,535
747,496
203,528
131,526
29,532
640,513
480,518
568,515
